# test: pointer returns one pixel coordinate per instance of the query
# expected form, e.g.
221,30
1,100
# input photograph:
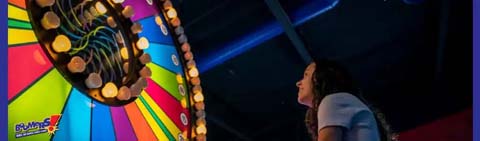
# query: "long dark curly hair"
330,78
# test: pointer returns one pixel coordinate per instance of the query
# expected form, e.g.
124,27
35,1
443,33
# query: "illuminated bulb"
124,53
61,44
101,9
200,114
50,20
45,3
201,121
76,65
186,47
128,12
195,81
93,81
183,102
179,79
171,13
145,58
123,93
188,55
201,129
179,30
191,64
111,22
93,11
193,72
182,39
135,90
125,67
145,72
136,28
198,97
200,106
142,43
118,1
167,5
109,90
197,89
175,22
158,20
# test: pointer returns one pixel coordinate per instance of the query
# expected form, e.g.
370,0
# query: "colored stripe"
12,23
75,120
162,56
42,100
156,118
19,3
102,125
161,136
141,8
139,124
123,128
17,13
153,32
169,104
19,36
21,61
172,128
166,79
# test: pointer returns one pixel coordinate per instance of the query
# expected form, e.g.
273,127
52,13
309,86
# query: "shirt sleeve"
338,110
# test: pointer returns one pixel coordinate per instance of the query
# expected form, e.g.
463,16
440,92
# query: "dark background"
413,62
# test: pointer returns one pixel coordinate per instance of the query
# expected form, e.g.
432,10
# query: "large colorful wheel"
46,104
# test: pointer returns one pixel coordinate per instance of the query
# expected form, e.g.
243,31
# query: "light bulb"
201,129
50,20
171,13
61,44
110,90
124,53
193,72
128,12
142,43
111,22
101,9
118,1
179,78
198,97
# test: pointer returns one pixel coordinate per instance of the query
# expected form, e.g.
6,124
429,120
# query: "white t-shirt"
346,110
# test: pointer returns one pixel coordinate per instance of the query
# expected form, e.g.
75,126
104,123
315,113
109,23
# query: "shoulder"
342,100
339,109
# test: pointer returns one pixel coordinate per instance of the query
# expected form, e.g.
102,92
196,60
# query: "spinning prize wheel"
101,70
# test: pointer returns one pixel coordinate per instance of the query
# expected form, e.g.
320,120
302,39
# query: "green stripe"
166,79
160,123
40,101
19,24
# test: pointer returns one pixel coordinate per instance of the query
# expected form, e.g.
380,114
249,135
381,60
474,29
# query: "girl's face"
305,86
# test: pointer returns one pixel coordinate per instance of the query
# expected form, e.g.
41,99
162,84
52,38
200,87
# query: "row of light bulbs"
200,129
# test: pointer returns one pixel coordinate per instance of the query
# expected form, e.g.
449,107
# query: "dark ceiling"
413,62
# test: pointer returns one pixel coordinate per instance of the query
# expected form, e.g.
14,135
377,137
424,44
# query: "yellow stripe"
156,129
19,36
160,113
17,13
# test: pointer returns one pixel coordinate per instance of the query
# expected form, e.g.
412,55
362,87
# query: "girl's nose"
298,83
